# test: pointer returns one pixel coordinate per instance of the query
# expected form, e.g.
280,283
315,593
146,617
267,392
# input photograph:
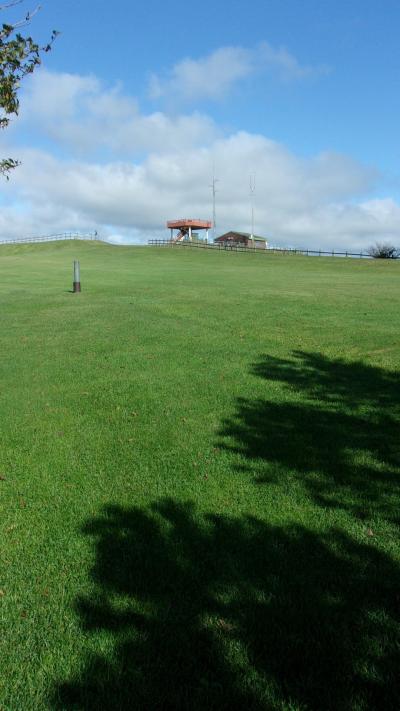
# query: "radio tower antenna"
252,191
214,190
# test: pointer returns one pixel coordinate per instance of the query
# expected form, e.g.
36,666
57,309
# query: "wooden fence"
256,250
53,238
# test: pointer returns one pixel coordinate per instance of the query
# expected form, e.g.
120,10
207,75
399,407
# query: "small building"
185,227
241,239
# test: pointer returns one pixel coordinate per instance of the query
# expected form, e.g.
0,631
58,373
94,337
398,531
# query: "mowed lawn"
199,480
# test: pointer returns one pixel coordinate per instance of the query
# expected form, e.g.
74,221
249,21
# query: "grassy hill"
199,480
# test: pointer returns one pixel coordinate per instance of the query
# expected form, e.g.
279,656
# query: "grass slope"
199,480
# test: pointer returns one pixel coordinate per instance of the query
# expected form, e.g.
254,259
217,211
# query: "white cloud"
213,76
320,201
55,97
83,116
297,201
285,65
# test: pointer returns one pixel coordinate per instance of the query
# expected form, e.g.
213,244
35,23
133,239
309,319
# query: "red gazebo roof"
195,224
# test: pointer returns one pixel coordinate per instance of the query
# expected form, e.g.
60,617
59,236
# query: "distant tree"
19,56
384,250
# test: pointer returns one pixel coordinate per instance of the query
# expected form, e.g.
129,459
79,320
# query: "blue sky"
120,129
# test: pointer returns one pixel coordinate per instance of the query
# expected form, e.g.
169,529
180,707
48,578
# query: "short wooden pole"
77,278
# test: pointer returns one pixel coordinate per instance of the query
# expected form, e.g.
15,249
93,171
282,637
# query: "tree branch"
19,56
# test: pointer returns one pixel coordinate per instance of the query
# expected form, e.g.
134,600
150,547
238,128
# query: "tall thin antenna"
214,190
252,191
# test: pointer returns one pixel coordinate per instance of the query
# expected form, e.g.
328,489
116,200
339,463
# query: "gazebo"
185,229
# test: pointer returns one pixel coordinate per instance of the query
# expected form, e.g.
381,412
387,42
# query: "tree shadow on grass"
215,612
337,432
194,611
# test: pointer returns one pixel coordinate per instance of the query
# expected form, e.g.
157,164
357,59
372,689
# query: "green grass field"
199,480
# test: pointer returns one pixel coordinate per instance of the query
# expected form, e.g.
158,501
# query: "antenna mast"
252,190
214,190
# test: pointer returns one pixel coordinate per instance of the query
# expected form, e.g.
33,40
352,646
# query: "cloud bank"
105,164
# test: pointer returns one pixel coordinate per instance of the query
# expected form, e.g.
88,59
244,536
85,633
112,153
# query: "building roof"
196,224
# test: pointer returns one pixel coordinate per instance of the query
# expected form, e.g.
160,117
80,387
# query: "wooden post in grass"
77,278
